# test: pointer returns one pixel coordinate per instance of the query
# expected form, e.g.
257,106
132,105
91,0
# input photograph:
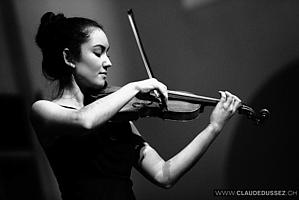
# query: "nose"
107,63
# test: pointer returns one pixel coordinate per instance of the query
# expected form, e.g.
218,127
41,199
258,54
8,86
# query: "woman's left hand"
224,110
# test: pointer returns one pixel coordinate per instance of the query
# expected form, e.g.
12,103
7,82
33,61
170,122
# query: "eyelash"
100,54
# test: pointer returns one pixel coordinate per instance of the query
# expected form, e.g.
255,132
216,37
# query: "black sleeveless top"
96,166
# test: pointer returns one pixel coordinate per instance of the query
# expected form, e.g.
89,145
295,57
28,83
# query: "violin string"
192,97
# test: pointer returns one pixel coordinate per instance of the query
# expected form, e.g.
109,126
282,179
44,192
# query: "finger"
232,105
229,100
228,94
237,103
163,95
166,93
163,90
223,96
237,98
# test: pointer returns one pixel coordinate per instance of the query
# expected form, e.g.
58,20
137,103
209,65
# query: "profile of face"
92,68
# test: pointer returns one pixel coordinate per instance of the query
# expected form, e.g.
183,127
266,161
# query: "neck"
72,96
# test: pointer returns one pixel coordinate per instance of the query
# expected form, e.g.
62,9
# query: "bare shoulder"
48,112
43,107
41,103
49,118
41,113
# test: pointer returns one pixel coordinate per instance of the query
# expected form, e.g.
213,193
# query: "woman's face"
91,69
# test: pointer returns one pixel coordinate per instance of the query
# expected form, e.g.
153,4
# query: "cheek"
89,65
87,73
84,73
94,62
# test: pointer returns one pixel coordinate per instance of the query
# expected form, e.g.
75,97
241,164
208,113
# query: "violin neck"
192,98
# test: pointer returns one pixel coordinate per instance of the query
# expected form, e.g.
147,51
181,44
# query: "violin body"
137,108
148,105
181,106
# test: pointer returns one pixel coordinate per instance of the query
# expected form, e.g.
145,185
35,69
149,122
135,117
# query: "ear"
67,56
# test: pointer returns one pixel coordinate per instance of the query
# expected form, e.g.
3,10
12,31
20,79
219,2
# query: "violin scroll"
251,114
264,114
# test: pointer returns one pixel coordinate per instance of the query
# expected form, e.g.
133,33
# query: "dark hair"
55,33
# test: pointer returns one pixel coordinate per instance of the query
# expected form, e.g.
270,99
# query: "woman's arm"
49,118
167,173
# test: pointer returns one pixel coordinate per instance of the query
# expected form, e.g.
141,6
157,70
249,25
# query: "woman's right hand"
145,86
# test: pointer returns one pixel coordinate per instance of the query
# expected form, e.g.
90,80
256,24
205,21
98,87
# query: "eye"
98,54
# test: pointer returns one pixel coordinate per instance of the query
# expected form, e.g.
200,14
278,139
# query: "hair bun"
51,18
46,31
47,18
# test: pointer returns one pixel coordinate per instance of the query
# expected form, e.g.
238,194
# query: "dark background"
249,48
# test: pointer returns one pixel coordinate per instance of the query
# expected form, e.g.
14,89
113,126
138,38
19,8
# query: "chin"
100,85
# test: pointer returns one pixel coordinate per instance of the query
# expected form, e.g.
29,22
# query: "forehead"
98,37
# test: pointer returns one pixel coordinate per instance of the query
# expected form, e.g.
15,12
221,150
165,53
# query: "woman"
92,157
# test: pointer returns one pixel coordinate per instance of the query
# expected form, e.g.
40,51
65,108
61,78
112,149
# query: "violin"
181,106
